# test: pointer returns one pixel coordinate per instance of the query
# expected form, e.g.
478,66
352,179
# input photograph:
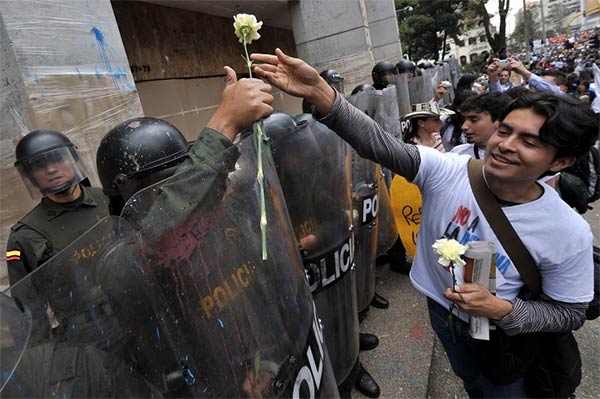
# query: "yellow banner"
406,205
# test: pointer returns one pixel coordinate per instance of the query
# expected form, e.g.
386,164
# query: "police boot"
379,302
366,385
398,260
367,341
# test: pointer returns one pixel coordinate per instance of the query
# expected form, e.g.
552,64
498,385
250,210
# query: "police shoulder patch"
13,255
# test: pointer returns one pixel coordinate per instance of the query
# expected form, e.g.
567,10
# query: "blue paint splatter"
221,323
103,48
98,33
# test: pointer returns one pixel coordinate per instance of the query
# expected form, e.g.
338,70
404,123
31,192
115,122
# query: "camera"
503,64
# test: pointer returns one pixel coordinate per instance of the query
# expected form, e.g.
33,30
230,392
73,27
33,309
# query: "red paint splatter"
417,331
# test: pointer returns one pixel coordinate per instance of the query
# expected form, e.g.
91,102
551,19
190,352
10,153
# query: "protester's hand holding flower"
478,301
296,78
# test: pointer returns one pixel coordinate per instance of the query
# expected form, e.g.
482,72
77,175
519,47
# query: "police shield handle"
479,259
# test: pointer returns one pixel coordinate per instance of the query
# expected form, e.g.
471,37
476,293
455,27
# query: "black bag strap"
506,234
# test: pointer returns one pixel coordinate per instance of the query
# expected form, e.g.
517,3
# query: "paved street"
410,363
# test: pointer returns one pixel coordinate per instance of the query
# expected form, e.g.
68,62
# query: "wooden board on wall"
163,42
189,103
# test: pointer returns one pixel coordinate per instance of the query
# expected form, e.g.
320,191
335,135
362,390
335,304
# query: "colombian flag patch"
13,255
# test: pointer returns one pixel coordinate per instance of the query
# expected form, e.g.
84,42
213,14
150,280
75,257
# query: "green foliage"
422,30
525,21
475,67
476,11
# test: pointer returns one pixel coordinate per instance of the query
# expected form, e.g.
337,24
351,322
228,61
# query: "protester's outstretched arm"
493,71
296,78
532,79
242,103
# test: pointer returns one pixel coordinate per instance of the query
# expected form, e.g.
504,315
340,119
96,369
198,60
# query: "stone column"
62,67
347,35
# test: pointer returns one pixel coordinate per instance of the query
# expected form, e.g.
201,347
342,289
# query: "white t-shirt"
559,239
469,149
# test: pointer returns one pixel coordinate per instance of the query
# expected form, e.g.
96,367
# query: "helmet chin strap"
65,190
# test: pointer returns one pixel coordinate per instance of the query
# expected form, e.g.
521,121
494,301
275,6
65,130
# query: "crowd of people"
530,140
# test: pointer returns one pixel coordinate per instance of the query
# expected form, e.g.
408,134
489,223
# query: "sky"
515,5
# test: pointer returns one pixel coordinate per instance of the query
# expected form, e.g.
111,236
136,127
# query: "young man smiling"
537,133
480,115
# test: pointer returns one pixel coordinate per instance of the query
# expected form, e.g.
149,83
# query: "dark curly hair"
570,126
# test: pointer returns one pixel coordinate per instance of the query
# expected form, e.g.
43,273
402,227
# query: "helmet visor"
52,171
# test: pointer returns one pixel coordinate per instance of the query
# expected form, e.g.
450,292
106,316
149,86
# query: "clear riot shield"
313,165
387,232
240,326
87,354
369,102
365,202
391,113
15,329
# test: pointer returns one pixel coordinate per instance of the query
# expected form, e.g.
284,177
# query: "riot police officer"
382,74
51,168
363,87
334,79
407,67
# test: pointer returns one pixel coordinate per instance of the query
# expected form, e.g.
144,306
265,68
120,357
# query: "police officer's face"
387,77
53,173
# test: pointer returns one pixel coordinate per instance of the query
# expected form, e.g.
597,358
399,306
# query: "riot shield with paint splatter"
240,326
80,344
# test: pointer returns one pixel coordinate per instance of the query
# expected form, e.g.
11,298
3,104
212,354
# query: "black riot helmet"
363,87
279,125
334,79
138,153
406,66
48,163
426,65
288,132
382,72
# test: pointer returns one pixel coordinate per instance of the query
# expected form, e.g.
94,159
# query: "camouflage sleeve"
209,143
371,141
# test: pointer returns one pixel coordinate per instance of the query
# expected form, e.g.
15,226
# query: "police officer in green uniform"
140,152
51,168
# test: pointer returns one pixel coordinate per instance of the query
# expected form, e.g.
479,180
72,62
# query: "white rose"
450,251
246,27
